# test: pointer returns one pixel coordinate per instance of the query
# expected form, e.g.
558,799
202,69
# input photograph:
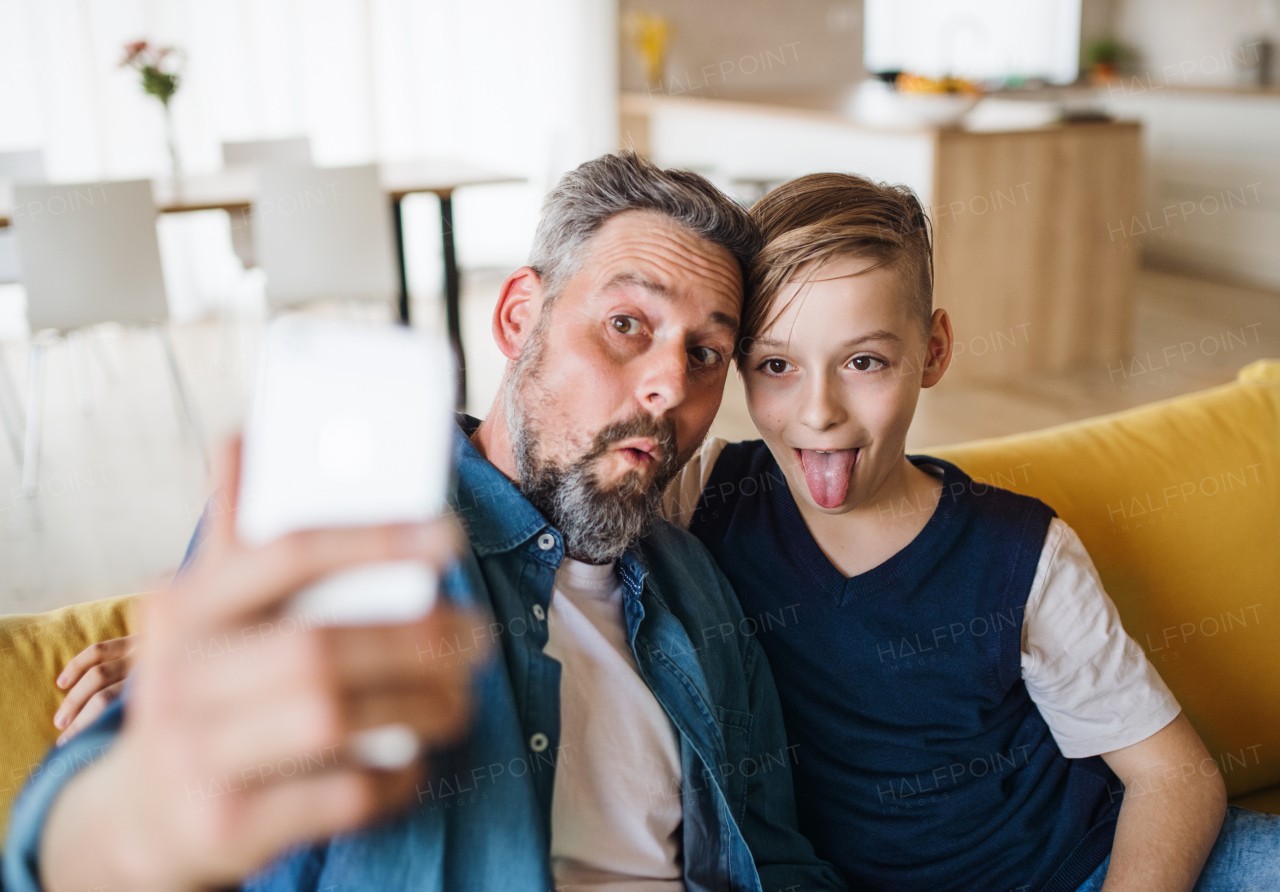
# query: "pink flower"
132,51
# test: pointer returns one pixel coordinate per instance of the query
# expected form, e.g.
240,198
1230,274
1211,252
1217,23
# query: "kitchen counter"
1035,251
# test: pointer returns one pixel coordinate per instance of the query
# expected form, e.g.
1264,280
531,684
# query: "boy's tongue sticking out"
827,474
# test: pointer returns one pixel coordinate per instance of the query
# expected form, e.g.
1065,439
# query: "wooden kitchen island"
1035,243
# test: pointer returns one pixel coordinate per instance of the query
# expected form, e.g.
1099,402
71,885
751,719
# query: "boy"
965,705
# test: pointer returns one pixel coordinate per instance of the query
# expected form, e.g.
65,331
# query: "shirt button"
538,742
546,541
539,613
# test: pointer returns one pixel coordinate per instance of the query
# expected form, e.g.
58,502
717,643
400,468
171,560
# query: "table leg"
402,304
452,293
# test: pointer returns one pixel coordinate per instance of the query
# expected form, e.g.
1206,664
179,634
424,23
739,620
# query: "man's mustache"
642,424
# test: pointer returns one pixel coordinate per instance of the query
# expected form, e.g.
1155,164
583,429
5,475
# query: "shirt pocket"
735,728
733,720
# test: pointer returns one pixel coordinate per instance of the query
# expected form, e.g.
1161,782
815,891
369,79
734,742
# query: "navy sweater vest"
920,761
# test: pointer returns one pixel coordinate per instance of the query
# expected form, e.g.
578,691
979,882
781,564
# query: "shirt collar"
497,517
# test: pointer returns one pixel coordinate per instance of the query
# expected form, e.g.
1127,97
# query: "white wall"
526,86
1196,42
1212,204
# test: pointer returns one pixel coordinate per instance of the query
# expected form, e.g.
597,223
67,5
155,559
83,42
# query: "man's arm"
186,797
1174,803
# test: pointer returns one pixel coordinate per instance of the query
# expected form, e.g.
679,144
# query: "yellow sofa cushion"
1178,503
34,648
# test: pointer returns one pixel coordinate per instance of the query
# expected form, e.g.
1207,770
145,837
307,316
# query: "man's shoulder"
743,457
666,546
743,473
685,572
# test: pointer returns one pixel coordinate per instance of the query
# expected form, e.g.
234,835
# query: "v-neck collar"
903,570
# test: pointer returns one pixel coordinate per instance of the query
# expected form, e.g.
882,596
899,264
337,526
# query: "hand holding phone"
350,425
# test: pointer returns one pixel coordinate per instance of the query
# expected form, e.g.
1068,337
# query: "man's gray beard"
598,523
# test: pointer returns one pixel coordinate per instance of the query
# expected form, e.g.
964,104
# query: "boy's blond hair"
815,219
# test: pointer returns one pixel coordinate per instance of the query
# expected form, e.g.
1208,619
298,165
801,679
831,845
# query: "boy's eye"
626,325
775,366
865,363
705,357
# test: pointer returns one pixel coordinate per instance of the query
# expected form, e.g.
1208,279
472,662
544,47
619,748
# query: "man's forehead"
651,251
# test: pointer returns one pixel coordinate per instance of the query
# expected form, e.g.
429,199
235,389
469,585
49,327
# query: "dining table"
233,189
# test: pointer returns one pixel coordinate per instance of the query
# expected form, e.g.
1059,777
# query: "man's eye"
865,363
705,356
626,325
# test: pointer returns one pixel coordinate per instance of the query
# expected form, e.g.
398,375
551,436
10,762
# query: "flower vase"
174,164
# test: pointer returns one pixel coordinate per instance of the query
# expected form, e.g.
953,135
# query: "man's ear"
938,351
516,315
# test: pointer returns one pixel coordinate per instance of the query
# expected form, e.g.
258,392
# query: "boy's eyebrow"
878,335
631,277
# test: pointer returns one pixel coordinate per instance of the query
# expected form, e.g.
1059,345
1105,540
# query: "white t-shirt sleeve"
1092,683
683,493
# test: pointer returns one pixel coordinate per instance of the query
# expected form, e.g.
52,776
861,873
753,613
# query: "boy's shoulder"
734,470
711,475
992,530
741,455
982,499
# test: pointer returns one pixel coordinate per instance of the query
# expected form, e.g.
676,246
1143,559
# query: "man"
626,734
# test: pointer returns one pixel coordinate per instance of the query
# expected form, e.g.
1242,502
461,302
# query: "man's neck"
492,440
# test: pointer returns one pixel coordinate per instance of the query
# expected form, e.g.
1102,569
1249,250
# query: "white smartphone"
349,425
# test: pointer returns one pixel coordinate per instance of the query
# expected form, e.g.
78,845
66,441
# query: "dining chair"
11,415
324,234
16,167
90,255
295,151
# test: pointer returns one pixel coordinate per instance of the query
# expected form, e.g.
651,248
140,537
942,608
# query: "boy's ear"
519,307
938,351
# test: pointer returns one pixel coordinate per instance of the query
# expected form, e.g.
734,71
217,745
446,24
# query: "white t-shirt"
1092,683
616,810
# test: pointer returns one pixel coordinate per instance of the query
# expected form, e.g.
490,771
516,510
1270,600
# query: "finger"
302,732
310,730
95,679
96,706
438,714
388,656
254,668
342,663
254,580
91,656
226,494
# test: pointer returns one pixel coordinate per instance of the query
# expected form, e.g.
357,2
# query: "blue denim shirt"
483,817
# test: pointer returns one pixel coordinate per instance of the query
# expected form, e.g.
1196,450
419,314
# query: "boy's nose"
820,405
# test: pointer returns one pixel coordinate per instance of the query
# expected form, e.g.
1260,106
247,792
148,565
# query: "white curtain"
525,86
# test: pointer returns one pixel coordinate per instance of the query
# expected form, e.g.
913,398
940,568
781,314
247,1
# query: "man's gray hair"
588,196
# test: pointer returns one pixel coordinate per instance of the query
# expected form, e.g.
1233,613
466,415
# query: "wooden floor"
121,485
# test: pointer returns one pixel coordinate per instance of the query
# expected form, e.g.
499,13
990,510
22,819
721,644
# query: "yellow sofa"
33,650
1178,503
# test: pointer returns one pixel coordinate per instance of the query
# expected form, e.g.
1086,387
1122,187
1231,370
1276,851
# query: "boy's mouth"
827,472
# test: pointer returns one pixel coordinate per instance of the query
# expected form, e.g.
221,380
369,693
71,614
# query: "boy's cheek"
765,404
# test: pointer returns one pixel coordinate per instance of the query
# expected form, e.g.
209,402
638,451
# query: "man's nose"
662,385
821,404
